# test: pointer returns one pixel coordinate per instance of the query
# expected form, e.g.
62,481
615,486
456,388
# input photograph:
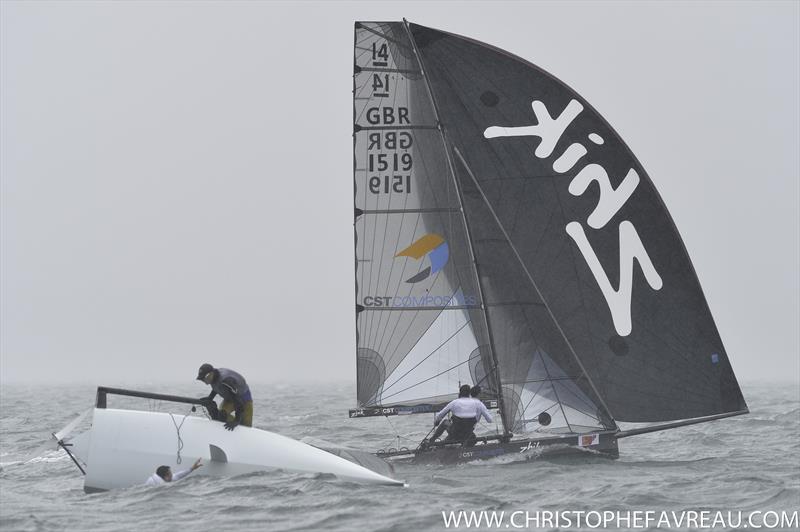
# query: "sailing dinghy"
123,447
506,236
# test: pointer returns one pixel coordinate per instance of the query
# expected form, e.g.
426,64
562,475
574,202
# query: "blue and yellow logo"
432,245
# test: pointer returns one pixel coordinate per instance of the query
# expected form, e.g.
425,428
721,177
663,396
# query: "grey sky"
177,177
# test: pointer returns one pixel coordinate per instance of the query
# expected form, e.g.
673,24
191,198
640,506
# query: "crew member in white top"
164,474
466,411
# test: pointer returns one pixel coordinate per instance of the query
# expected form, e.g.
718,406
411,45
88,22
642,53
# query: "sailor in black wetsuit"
237,402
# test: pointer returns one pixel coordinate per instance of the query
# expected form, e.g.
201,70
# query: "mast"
495,365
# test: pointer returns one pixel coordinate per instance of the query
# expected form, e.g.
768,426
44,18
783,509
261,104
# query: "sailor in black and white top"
466,412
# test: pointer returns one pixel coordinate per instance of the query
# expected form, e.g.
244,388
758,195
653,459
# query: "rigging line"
426,358
492,370
530,278
178,431
396,432
552,379
426,380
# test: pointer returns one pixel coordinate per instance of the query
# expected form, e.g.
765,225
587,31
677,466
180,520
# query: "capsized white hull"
124,447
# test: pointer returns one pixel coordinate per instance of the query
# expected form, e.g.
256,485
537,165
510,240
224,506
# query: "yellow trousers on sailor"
230,411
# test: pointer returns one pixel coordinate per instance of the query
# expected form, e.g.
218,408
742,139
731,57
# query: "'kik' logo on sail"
610,201
437,251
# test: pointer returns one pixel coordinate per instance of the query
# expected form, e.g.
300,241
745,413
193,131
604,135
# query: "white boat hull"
124,447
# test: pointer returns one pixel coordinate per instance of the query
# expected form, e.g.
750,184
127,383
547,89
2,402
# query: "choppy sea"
749,463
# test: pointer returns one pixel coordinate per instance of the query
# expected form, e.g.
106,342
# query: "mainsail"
505,235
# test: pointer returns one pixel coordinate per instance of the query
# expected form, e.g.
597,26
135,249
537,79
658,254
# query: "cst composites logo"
437,251
435,248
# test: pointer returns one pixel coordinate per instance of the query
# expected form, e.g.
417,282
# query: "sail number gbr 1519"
391,160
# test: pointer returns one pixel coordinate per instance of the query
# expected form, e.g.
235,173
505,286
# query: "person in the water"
164,474
237,402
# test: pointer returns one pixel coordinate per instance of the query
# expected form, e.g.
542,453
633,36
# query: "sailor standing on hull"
237,402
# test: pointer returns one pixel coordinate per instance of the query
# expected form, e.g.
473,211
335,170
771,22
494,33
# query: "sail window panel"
402,171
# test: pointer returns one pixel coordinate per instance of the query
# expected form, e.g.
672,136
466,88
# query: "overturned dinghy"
123,447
